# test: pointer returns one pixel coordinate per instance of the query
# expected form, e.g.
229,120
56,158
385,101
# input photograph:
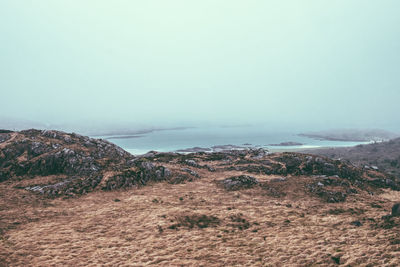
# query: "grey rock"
191,172
167,172
159,174
67,139
238,182
147,165
4,137
279,179
191,162
258,153
49,133
210,169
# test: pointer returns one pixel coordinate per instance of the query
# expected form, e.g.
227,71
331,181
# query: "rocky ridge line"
77,165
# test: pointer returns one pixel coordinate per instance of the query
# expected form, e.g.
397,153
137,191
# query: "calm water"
172,140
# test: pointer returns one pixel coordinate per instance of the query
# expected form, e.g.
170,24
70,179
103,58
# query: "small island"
194,150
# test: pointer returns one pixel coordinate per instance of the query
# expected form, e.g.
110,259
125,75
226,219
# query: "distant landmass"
383,155
91,128
217,148
123,137
352,135
287,144
133,133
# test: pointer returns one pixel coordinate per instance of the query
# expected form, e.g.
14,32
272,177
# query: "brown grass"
243,228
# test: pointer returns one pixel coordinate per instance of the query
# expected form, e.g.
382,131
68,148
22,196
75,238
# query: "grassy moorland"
232,208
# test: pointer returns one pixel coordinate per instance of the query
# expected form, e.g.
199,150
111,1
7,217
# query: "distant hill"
20,124
356,135
384,155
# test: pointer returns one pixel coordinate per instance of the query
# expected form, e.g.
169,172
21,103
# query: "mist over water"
209,137
101,66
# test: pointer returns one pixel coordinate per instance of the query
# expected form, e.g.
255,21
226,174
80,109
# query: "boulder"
396,210
192,163
191,172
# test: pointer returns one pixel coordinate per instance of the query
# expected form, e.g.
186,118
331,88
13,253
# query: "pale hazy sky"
324,63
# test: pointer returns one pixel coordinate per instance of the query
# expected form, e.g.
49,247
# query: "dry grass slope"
245,228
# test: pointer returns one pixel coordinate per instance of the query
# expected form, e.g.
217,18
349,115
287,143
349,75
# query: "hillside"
384,155
71,200
356,135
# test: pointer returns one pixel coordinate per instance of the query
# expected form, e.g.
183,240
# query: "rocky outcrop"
79,164
382,156
86,163
4,136
238,182
303,164
35,152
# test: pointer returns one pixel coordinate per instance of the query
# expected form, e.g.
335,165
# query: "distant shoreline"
287,144
330,138
123,137
351,135
129,133
222,148
216,140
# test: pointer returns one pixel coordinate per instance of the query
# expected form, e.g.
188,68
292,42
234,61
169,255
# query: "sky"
317,64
